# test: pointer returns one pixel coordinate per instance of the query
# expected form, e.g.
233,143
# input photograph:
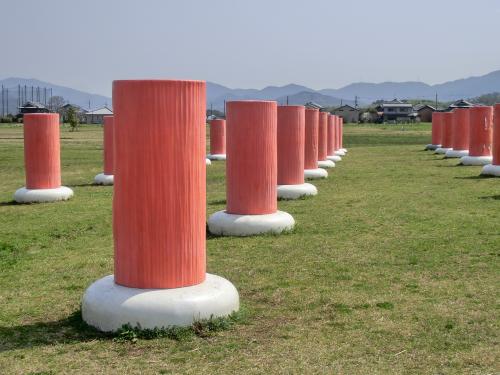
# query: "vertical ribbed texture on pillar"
460,136
447,119
42,152
481,131
217,136
311,139
496,136
251,152
322,135
291,134
437,128
341,133
108,145
330,146
337,133
159,183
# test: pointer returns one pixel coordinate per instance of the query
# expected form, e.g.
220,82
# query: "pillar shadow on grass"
68,330
475,177
492,197
10,203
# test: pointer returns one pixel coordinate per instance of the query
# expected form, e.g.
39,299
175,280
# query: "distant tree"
55,103
72,119
488,99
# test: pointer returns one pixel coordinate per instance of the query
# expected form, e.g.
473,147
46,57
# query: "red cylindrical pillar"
311,139
322,135
42,150
460,136
481,131
437,128
159,192
108,145
330,149
496,136
251,167
218,137
447,136
341,136
337,133
291,135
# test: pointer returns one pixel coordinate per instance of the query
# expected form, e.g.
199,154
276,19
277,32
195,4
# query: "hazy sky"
86,44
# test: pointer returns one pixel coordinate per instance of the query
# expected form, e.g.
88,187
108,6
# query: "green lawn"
393,268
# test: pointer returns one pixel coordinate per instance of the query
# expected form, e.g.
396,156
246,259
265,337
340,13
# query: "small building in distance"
425,112
396,111
348,113
33,107
96,116
314,106
80,112
460,104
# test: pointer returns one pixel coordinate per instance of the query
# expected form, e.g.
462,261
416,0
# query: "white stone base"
24,195
456,153
104,179
224,224
334,158
491,170
108,306
315,174
296,191
441,150
344,150
339,153
476,160
208,162
432,147
216,156
326,164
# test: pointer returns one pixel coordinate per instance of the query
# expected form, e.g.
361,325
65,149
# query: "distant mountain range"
294,94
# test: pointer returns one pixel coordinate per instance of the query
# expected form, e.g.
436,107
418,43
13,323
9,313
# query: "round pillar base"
339,153
476,160
224,224
216,156
208,162
108,306
442,150
24,195
431,147
104,179
456,153
334,158
315,174
491,170
326,164
344,150
296,191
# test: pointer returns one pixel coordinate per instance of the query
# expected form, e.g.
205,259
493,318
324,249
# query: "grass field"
392,269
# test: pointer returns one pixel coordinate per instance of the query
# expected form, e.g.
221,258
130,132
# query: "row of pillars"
154,149
471,134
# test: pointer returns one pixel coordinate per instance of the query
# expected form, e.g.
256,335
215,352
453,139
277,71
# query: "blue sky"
321,44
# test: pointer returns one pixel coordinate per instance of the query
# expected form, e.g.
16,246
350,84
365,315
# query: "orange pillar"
251,157
437,129
460,133
42,151
291,135
311,139
481,131
217,139
159,194
447,133
322,135
331,135
496,136
108,145
341,136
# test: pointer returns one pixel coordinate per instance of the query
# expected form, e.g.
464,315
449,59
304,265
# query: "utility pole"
7,100
356,101
2,102
436,101
341,102
287,100
224,109
31,93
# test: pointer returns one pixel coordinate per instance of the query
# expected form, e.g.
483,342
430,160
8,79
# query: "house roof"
422,106
461,104
100,111
396,105
30,104
313,105
346,106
